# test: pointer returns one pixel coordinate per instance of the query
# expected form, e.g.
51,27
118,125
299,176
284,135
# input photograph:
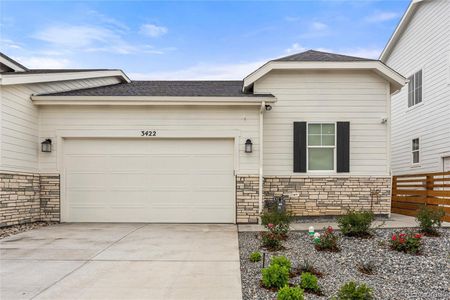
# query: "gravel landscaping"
15,229
398,275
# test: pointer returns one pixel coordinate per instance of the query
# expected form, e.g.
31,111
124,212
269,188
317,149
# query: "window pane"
415,144
411,91
314,140
327,128
320,159
314,128
418,95
328,140
416,157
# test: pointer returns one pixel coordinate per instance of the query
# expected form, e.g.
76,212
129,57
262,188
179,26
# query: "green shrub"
290,293
356,223
281,261
307,266
353,291
406,242
276,217
328,241
281,229
275,276
255,257
429,219
271,241
309,282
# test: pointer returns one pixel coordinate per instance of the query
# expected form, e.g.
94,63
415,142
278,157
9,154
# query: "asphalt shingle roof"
166,88
313,55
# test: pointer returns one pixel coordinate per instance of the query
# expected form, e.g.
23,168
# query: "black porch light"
46,146
248,146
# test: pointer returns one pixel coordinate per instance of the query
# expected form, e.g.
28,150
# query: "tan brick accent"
247,188
28,198
319,196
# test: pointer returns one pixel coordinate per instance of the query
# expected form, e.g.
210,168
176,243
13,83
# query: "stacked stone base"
26,198
315,196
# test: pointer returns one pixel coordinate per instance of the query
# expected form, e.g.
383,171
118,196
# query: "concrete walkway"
395,221
121,261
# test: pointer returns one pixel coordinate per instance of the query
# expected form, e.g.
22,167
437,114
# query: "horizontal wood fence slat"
410,192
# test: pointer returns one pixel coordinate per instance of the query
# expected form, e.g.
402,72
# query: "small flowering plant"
408,242
280,229
328,241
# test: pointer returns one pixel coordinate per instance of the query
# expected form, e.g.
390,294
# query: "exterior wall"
28,197
425,44
169,122
360,97
247,199
320,196
19,130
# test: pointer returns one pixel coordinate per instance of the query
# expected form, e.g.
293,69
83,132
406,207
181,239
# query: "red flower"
418,236
402,241
270,225
402,235
394,237
330,229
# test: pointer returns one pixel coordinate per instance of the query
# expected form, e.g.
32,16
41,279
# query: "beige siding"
425,44
169,121
359,97
19,121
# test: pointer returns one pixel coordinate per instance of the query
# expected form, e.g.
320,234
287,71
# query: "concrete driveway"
121,261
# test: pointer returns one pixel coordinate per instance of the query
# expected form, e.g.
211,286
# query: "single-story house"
94,146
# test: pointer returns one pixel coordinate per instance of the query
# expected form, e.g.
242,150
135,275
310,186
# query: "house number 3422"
148,133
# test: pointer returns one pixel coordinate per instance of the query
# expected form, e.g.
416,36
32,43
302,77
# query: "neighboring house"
313,127
419,49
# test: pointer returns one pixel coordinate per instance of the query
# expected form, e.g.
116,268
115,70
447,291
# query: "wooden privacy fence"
410,192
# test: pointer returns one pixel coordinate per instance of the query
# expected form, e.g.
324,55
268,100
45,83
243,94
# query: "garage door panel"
184,180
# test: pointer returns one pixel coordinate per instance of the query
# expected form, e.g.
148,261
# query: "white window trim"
407,91
417,164
334,149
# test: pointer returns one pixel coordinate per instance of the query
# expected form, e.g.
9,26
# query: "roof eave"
27,78
150,100
397,81
403,23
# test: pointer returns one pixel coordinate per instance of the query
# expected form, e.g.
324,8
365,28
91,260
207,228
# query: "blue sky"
189,40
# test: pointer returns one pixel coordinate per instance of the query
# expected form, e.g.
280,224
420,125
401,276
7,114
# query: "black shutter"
300,147
343,147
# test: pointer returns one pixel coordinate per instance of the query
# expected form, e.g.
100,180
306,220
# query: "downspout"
261,150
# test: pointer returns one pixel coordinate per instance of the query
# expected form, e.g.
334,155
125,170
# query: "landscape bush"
276,217
282,261
271,241
328,241
406,242
355,223
309,282
255,256
307,266
354,291
429,220
290,293
275,276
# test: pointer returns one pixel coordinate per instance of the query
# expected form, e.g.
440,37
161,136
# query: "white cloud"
203,71
10,44
38,62
295,48
318,26
153,30
382,16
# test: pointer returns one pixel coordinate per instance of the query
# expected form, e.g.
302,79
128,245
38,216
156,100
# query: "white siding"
425,44
19,121
359,97
168,121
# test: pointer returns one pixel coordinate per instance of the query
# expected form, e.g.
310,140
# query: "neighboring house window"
415,89
321,146
415,151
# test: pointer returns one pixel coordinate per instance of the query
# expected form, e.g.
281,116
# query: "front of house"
93,146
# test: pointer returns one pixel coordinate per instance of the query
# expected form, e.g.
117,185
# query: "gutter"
261,159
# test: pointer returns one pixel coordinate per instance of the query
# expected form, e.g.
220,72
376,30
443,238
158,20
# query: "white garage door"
157,180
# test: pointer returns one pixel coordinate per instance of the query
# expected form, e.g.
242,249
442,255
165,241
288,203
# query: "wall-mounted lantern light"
248,146
46,146
268,107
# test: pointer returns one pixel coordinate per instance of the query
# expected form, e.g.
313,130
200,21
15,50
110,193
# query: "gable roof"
401,27
231,88
313,55
11,63
317,60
